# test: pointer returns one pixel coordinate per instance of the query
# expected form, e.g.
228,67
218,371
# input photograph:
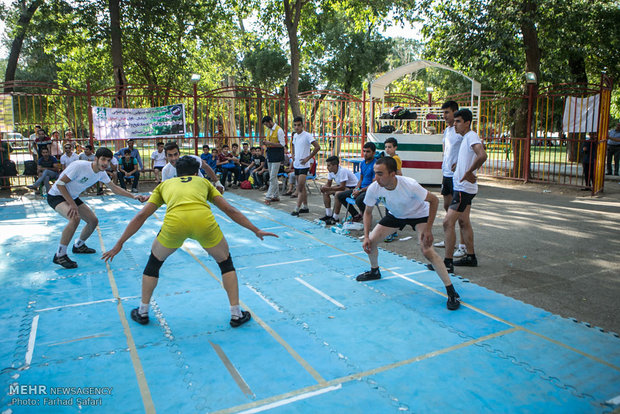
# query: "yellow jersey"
188,192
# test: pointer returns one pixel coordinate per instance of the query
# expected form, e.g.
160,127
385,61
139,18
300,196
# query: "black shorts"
158,168
391,221
460,200
301,171
447,186
53,201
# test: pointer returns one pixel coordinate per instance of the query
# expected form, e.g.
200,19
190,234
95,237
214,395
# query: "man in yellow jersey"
274,141
188,216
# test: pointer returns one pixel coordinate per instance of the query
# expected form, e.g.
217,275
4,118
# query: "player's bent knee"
153,266
227,265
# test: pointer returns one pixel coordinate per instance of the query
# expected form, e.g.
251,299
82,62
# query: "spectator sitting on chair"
134,153
254,162
158,161
344,179
48,169
128,169
206,156
367,175
245,160
88,154
213,162
261,172
228,165
68,157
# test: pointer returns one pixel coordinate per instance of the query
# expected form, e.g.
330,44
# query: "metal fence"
535,137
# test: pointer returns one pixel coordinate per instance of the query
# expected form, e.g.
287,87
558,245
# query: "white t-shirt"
170,171
404,202
465,160
66,161
113,164
82,176
159,158
303,144
451,144
343,175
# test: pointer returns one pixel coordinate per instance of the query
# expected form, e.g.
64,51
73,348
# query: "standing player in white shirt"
171,150
301,153
64,197
471,157
408,203
345,179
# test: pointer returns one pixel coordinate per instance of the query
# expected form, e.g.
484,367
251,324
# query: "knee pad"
227,265
153,266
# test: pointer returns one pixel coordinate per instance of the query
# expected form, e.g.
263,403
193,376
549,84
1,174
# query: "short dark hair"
235,145
127,152
245,143
389,162
370,145
391,140
90,147
103,152
465,114
45,149
333,160
171,146
214,149
187,165
130,140
298,119
266,118
160,143
205,146
450,104
225,146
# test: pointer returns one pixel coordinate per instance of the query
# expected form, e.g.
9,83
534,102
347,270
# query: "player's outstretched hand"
260,234
109,255
142,198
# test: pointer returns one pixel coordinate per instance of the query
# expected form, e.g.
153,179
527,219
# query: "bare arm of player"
131,229
119,191
427,234
239,218
481,157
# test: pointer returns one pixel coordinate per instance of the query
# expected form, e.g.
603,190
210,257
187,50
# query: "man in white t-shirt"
471,157
302,154
451,145
408,203
158,161
68,157
344,179
64,197
171,149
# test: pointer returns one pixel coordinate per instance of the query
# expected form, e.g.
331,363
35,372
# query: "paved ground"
553,247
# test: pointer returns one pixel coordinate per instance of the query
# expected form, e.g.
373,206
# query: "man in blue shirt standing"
613,149
135,154
367,175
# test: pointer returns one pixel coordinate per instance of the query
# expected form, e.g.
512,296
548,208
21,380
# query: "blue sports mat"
318,341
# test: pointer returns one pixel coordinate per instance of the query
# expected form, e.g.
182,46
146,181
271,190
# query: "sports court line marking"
31,339
344,254
145,392
266,327
472,307
84,303
287,401
614,401
78,339
245,388
283,263
326,296
363,374
260,295
222,218
273,228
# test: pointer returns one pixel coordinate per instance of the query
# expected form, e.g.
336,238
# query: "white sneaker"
460,252
440,244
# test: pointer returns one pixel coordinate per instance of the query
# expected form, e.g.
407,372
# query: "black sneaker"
467,261
237,322
330,221
453,302
449,267
135,315
295,213
65,262
83,249
304,210
325,218
368,275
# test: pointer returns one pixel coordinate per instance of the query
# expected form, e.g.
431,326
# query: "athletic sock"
328,212
336,216
79,243
235,312
462,246
144,309
450,290
304,205
62,250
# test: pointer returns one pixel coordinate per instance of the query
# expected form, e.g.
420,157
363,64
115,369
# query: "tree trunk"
521,147
16,47
117,53
292,15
